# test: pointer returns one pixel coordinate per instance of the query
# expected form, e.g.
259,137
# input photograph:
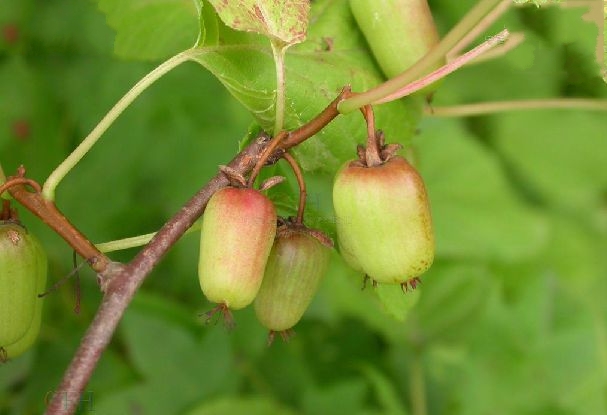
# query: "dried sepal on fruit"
297,263
383,218
23,269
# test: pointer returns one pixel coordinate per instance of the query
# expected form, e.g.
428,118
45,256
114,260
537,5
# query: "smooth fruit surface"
238,229
296,266
383,219
22,265
29,338
399,32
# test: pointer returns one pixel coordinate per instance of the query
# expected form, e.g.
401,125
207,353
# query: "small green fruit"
23,268
238,229
383,220
399,32
297,263
24,343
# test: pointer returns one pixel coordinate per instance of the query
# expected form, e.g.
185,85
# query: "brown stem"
373,151
6,213
14,181
48,212
302,186
265,156
306,131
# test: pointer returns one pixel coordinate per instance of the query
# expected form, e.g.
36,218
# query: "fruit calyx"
223,313
285,335
287,227
385,152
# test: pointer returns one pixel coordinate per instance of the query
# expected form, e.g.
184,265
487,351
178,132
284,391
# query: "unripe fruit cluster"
240,247
383,225
23,269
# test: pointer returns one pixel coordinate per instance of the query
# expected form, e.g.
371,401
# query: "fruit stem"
48,190
372,152
302,186
14,181
265,156
438,52
445,70
483,24
516,105
48,212
319,122
3,196
135,241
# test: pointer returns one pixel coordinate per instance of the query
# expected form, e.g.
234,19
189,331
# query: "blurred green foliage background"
512,318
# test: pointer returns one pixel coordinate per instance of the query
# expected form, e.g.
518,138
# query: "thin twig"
15,181
446,69
265,156
426,63
301,183
66,165
48,212
467,110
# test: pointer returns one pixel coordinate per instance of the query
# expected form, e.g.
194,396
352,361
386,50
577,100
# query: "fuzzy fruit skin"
22,264
24,343
296,266
399,32
238,229
383,218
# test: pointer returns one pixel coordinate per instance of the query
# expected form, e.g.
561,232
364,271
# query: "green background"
511,319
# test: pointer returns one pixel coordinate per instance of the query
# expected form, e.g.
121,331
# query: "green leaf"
29,120
138,328
475,211
170,360
540,334
284,21
231,405
248,73
152,29
395,301
345,397
561,155
453,296
341,295
385,390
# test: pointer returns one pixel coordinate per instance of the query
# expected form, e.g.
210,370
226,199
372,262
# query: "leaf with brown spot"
282,20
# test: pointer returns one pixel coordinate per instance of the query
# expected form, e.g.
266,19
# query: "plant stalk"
417,387
302,186
438,52
468,110
49,187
